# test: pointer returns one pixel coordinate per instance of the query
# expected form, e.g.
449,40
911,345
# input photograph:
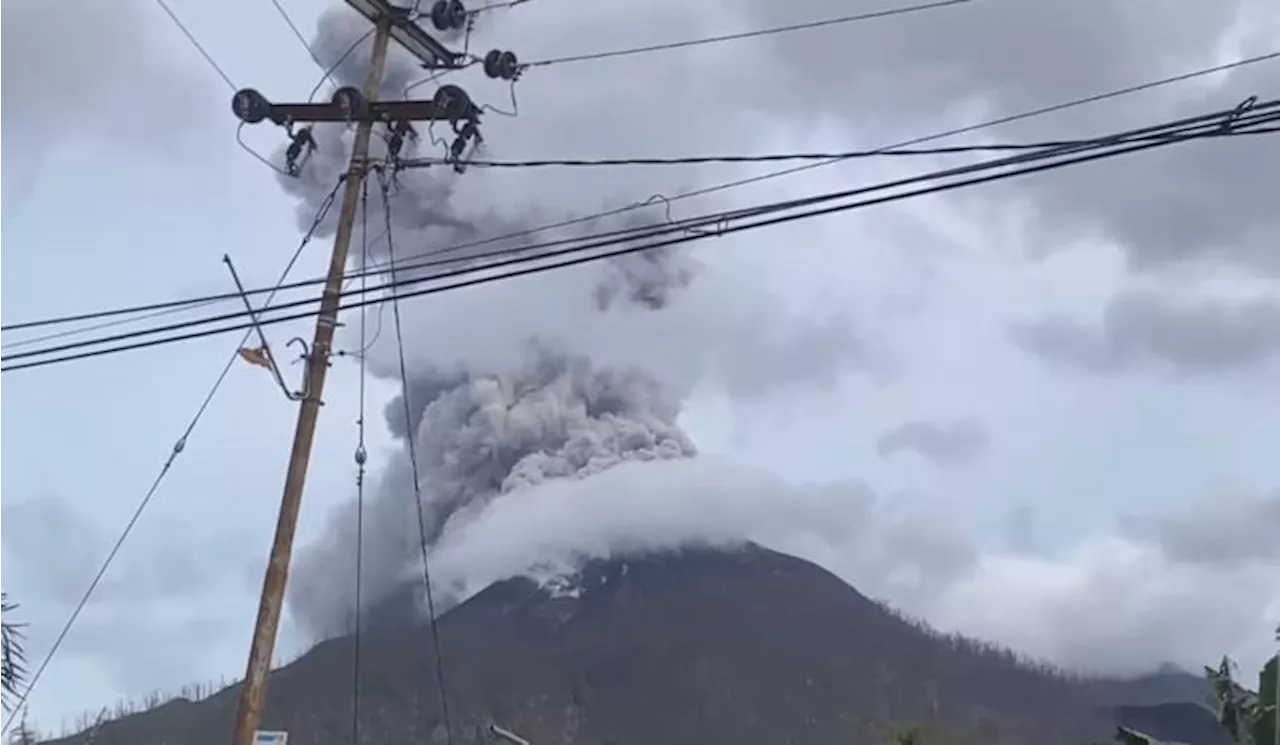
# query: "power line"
328,71
165,310
496,6
361,458
760,158
410,439
153,310
873,15
1209,125
284,15
175,306
890,149
179,447
1217,124
302,39
998,121
199,48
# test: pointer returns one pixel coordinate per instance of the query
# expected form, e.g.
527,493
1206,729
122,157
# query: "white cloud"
1117,606
92,73
1113,604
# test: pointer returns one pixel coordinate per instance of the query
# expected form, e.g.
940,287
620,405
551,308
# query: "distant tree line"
1248,717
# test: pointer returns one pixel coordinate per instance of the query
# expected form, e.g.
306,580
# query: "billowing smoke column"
511,384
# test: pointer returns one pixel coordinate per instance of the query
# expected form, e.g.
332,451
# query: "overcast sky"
1045,413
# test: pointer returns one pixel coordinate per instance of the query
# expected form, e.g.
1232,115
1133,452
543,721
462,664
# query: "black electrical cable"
1211,121
167,310
414,163
496,6
297,33
170,307
1216,124
841,20
328,71
410,439
195,43
1108,150
153,310
986,124
361,458
761,158
179,447
887,150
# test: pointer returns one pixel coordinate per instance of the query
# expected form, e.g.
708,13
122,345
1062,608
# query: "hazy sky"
1041,412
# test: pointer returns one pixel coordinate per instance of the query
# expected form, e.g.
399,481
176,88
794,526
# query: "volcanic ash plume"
555,418
556,377
477,438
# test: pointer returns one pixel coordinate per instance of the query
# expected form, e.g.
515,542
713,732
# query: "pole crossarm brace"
404,30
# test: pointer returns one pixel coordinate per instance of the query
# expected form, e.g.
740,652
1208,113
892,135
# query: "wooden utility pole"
253,690
449,104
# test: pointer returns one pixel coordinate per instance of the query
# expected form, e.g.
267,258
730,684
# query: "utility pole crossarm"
349,105
450,103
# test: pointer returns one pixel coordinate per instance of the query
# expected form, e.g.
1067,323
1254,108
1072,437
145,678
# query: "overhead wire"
195,43
179,447
414,163
264,160
1213,122
629,51
888,150
328,72
169,306
361,458
1261,115
965,129
496,6
751,34
165,311
410,439
284,14
691,236
944,134
1204,126
326,75
162,308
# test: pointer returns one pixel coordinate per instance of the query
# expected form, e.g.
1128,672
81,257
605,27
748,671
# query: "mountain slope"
679,649
1168,685
1174,722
